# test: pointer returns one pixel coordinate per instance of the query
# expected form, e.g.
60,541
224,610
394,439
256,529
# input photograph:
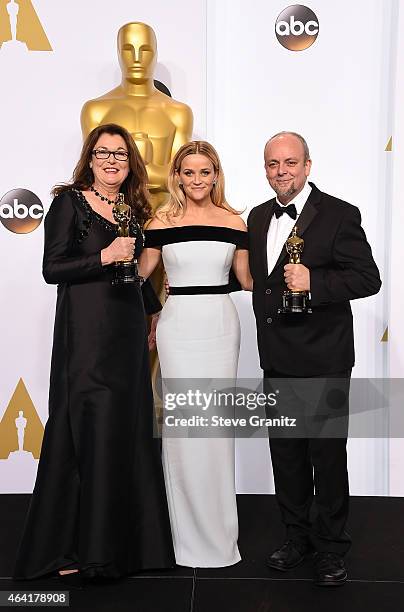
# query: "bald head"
293,135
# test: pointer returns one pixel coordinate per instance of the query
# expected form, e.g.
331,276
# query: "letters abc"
296,28
16,210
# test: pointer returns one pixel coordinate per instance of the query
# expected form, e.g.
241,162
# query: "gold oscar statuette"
295,301
124,271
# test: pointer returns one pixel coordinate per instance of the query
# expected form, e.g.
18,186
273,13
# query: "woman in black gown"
99,502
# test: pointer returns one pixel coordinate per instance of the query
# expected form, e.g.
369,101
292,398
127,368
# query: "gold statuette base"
125,272
295,301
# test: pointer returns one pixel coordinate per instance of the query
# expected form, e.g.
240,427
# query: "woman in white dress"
200,238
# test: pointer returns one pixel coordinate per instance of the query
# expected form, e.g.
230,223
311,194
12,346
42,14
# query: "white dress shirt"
279,229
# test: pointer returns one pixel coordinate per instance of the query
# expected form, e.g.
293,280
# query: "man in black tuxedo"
337,266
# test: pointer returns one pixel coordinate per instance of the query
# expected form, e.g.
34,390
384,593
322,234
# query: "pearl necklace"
103,198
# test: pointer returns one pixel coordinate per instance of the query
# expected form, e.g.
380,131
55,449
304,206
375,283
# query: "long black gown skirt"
99,501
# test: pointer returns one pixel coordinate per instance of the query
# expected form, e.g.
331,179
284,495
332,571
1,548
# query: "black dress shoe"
330,569
288,556
72,581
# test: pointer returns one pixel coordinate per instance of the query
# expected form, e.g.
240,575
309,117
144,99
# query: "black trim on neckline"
189,233
106,223
87,206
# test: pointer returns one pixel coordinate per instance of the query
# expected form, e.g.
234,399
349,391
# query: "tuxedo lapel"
306,217
269,209
309,210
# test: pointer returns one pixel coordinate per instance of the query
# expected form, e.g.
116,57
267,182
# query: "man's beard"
284,193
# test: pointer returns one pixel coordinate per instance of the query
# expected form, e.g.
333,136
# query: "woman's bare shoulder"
234,221
157,223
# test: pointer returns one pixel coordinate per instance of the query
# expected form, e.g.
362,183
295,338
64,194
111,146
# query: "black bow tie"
290,210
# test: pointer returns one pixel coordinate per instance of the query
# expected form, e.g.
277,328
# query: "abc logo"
21,211
297,27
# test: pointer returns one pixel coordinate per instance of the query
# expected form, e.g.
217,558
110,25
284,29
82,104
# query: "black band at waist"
199,290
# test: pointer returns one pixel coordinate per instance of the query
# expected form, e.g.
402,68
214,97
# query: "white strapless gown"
198,336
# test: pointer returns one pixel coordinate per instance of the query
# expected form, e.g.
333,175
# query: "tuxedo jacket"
341,269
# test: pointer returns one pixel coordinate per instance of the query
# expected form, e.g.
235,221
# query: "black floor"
375,562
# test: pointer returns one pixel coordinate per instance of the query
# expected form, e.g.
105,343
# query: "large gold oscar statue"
158,124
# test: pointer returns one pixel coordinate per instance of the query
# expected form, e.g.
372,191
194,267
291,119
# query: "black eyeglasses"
104,154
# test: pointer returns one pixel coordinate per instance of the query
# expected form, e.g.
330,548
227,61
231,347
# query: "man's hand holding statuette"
297,277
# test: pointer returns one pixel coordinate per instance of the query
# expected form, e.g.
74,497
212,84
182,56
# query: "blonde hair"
176,204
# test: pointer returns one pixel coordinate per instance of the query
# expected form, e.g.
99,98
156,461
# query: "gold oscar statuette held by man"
295,301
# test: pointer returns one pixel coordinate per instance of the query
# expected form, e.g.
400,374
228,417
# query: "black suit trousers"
311,458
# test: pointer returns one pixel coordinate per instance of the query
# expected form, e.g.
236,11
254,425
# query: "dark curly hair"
134,186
